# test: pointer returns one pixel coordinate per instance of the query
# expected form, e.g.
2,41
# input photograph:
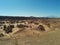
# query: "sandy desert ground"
43,31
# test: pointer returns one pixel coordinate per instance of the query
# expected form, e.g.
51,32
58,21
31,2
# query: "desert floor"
50,38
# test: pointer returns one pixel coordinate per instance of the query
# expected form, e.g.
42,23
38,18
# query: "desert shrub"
1,28
4,27
41,28
17,21
12,26
21,26
12,21
22,21
36,23
2,22
1,35
0,25
7,22
8,29
48,25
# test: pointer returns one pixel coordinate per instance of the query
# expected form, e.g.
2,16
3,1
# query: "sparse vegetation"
1,35
22,26
8,29
28,30
36,23
41,28
12,26
2,22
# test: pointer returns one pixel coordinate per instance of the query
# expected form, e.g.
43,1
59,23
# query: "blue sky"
30,8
